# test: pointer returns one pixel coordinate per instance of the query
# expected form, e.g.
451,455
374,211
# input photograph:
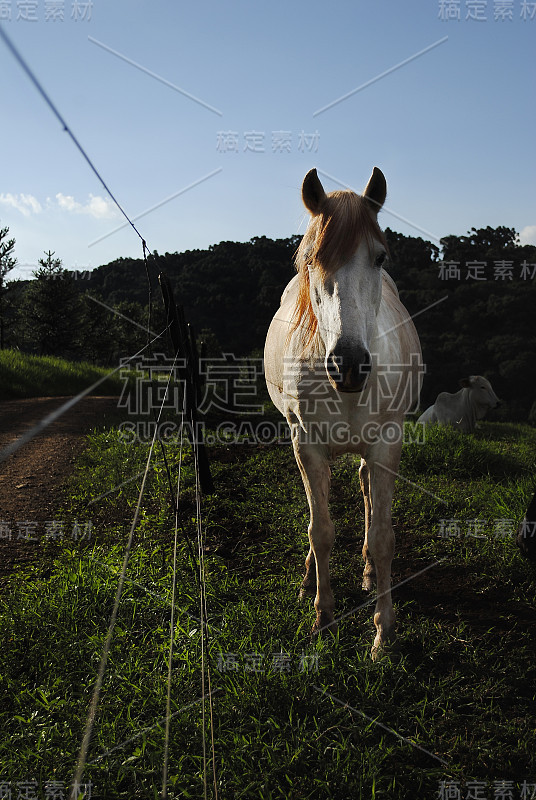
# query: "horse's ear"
313,194
376,190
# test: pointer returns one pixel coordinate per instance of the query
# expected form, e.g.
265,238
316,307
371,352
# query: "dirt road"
33,479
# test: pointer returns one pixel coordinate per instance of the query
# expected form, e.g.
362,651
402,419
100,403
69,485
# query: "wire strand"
172,621
104,658
90,722
46,97
205,642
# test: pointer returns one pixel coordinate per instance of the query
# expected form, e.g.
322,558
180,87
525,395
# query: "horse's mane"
332,237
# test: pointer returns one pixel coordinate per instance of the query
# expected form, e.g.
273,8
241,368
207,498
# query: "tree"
51,310
466,326
7,262
482,244
129,324
97,344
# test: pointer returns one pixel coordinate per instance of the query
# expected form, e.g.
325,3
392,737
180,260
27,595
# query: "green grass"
460,687
24,375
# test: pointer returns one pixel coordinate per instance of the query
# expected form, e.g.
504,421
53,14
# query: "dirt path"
33,479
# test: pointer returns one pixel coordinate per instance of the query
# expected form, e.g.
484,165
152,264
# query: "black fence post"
185,350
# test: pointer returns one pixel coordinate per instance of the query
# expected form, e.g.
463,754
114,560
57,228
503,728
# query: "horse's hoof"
324,624
388,649
307,591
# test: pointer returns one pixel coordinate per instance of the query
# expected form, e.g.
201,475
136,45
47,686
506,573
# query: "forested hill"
484,326
474,309
232,289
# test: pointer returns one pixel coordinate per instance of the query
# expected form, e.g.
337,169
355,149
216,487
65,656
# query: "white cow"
463,408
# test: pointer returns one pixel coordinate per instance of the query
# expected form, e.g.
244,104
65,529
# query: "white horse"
343,364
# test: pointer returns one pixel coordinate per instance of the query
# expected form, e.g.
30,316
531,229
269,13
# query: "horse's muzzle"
348,372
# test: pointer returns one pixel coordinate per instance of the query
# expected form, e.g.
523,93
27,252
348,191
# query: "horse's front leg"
368,572
315,472
382,464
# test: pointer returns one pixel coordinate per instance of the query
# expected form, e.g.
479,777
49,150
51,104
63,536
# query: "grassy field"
292,718
24,375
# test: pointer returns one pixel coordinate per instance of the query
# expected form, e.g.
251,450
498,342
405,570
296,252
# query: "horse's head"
339,262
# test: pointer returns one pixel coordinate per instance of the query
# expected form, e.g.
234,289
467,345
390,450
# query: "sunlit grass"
24,375
459,689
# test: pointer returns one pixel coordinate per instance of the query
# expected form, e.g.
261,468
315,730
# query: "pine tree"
51,310
7,262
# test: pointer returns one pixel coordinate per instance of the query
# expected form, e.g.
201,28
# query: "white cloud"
528,235
25,203
100,207
97,207
67,202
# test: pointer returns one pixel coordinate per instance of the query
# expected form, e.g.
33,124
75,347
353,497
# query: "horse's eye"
379,260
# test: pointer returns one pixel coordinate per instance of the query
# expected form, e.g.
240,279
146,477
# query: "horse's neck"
387,280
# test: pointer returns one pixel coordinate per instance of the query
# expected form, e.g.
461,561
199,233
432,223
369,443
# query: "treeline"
55,315
484,291
473,306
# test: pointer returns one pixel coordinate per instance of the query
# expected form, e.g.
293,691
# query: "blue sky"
215,105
